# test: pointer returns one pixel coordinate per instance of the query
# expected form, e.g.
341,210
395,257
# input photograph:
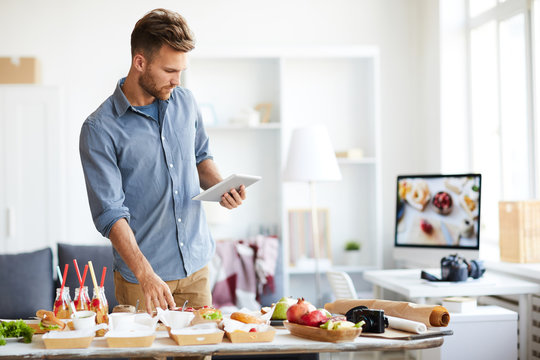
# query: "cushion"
26,284
100,255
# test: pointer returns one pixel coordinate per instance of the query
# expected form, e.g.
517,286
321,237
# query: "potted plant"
352,252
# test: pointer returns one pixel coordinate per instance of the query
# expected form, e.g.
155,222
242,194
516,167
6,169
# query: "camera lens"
476,269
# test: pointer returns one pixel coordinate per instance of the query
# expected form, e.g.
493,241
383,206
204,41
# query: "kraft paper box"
249,337
519,231
23,70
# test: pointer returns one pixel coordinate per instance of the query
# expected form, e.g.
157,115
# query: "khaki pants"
195,288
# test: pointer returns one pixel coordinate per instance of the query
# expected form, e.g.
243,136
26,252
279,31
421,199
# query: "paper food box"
78,339
196,336
140,338
239,336
239,332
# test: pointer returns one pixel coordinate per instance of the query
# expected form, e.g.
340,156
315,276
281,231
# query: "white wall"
84,48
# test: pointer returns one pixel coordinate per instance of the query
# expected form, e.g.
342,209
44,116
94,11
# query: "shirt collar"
121,103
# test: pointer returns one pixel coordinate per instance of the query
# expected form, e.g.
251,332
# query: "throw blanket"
241,273
266,255
235,281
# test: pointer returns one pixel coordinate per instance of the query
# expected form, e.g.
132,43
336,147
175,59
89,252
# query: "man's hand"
156,292
233,198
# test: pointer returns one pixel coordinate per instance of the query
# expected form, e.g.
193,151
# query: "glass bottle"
100,305
62,309
82,303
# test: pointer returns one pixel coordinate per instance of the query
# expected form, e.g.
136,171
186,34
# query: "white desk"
409,284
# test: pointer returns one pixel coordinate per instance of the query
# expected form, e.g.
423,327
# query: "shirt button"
163,138
176,192
171,165
181,244
179,220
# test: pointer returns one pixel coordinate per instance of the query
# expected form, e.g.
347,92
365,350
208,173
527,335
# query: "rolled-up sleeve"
202,147
103,178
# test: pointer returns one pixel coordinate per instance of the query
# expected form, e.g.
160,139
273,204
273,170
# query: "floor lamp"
311,159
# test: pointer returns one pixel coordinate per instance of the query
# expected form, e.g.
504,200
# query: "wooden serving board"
318,334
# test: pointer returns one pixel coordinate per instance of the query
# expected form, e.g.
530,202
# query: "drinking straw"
64,280
73,308
59,273
93,274
103,276
82,281
78,272
84,274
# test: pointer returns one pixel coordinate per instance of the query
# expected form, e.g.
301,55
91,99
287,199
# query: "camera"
375,321
455,268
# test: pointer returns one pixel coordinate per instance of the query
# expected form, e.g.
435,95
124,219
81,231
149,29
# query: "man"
145,154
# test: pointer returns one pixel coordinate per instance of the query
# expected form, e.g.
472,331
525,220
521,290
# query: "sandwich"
207,314
210,313
49,322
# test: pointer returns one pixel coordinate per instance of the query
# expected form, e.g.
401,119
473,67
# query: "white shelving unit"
337,87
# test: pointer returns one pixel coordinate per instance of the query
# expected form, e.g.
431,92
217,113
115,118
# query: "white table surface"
408,283
164,346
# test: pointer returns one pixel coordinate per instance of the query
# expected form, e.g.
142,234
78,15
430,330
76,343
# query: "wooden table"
284,343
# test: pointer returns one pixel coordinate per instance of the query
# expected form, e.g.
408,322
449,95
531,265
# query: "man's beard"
147,83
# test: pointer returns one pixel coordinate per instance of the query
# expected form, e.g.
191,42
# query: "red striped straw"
84,274
82,281
103,276
78,272
64,277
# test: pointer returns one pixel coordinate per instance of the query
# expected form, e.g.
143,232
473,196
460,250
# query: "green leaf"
15,329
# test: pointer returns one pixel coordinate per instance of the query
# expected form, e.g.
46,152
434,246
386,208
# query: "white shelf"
268,126
345,268
337,87
363,161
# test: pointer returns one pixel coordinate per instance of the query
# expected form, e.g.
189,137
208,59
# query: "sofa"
28,281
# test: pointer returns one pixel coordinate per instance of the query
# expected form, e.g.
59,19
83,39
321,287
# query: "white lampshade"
311,156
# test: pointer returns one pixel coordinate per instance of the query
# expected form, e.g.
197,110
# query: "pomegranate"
296,311
314,318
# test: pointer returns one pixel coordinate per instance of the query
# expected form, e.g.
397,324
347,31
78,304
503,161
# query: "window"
500,55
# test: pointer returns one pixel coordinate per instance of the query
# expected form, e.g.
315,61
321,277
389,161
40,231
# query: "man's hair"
160,27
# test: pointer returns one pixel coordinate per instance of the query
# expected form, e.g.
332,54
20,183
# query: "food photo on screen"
438,210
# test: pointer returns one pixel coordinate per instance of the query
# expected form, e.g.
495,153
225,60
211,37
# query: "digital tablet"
232,182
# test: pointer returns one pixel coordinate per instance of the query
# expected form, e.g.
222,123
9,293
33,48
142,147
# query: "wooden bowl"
318,334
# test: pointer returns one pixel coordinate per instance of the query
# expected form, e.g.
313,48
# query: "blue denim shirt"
145,171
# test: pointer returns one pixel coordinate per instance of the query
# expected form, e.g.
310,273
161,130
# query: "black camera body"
455,268
375,321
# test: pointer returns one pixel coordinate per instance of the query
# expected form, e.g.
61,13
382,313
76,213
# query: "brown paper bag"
431,315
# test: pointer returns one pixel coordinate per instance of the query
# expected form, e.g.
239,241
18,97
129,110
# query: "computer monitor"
436,215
